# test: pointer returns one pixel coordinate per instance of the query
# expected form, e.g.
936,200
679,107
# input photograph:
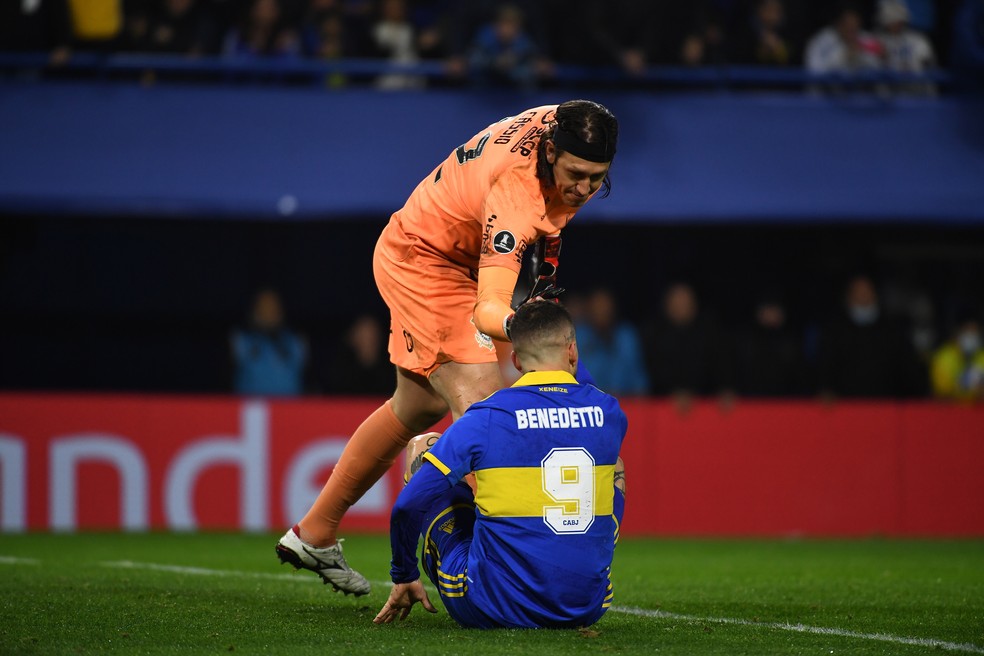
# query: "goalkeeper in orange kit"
446,265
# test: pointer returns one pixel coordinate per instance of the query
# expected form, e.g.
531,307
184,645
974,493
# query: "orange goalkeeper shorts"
431,301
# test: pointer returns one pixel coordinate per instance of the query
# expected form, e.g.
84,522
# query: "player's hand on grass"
402,598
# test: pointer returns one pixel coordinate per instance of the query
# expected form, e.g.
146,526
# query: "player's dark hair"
541,325
587,120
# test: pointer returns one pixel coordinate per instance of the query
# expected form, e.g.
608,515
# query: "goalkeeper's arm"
493,307
493,311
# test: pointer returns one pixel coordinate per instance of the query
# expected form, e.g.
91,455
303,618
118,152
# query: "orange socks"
373,448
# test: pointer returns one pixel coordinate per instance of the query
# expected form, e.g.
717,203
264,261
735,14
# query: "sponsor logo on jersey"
520,251
487,234
506,136
584,417
484,340
504,242
529,141
481,338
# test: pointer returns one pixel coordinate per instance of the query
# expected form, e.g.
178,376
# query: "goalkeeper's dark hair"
540,326
591,122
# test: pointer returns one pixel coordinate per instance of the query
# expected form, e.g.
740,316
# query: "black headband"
593,152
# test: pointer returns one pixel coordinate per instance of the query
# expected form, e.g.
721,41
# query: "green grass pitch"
168,593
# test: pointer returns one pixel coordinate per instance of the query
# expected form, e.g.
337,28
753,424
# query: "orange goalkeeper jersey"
484,204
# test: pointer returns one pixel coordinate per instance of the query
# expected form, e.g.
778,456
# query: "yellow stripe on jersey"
453,586
607,601
518,492
448,585
437,463
535,378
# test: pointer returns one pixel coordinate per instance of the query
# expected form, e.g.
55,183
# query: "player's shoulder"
601,398
602,395
516,137
541,115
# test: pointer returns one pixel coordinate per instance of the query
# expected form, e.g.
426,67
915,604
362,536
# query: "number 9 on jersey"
569,480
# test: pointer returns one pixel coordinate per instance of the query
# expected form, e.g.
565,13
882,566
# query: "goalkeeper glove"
546,261
551,294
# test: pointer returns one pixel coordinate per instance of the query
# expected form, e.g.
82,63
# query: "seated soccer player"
532,546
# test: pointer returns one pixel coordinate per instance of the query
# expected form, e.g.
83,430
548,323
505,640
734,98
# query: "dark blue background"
231,151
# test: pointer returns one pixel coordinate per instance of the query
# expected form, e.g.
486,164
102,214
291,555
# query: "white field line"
201,571
803,628
12,560
627,610
294,576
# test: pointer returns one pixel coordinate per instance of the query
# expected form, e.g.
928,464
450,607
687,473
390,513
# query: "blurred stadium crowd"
859,335
872,348
518,43
673,311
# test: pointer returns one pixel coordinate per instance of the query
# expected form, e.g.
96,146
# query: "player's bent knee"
416,449
422,443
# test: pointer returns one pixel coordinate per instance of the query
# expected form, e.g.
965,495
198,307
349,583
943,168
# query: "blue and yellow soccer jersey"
546,514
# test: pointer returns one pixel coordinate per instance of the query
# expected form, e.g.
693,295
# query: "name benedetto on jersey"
543,453
484,204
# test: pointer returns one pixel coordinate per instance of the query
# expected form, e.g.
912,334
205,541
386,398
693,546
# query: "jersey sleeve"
460,449
493,304
452,457
618,511
406,521
513,212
